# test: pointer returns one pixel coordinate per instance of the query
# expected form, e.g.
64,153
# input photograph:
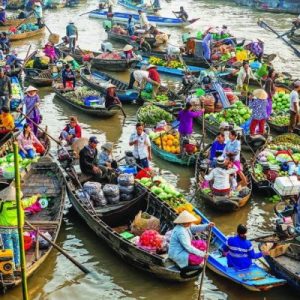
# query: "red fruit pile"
151,238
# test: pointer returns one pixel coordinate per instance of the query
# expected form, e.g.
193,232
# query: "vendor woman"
181,249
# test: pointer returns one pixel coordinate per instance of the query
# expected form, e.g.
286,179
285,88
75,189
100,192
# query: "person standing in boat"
244,75
38,13
71,132
9,220
143,19
183,249
72,35
141,147
294,106
270,88
141,77
130,25
5,89
32,102
2,16
4,42
111,98
181,14
68,77
239,251
155,79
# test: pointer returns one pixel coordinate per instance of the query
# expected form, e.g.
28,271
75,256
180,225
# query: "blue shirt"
233,147
104,158
2,16
240,253
216,147
71,30
259,109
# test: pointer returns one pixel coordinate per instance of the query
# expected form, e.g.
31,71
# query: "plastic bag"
126,197
125,179
94,190
144,221
129,189
111,190
113,199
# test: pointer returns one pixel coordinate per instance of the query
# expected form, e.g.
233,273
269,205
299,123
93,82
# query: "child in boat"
217,148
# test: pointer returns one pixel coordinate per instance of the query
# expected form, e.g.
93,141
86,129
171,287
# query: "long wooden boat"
40,78
99,80
99,112
134,6
278,10
254,278
123,18
284,261
110,225
223,203
25,35
14,21
44,177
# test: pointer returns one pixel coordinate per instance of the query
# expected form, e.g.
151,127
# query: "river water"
112,278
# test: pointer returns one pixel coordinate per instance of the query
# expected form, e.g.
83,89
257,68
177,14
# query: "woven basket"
53,38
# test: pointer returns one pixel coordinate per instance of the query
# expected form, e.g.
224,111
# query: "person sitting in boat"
72,131
13,61
130,25
105,156
38,63
5,89
183,249
28,142
155,79
161,38
128,52
190,46
72,35
259,111
9,220
244,75
2,16
4,42
141,77
6,122
217,148
143,45
181,14
143,20
111,97
186,117
239,251
68,77
220,176
38,13
49,51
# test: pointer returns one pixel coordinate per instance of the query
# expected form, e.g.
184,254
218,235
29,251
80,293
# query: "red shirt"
154,75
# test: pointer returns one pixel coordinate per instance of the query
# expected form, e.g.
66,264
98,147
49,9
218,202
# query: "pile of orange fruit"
169,143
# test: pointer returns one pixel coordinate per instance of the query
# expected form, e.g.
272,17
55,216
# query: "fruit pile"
151,115
168,142
280,120
152,239
16,91
168,194
281,102
159,98
174,64
238,114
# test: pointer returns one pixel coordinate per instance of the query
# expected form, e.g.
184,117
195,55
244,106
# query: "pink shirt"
27,143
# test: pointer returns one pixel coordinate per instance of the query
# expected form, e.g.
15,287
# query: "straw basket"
53,38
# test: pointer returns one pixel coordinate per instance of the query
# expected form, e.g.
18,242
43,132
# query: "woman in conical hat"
183,250
9,220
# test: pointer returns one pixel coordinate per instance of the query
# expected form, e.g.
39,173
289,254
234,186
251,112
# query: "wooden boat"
99,80
160,21
284,261
254,278
295,38
278,10
46,178
14,21
38,77
110,225
172,71
135,6
99,112
78,55
226,203
25,35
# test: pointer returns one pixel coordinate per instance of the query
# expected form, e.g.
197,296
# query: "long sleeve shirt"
27,143
244,76
88,159
216,148
220,177
259,109
181,244
186,121
233,147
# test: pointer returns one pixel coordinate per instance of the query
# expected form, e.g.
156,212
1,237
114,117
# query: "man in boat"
68,77
38,13
9,220
6,122
141,77
72,34
294,106
143,45
143,19
5,89
181,14
216,149
244,75
141,147
71,132
2,16
155,79
130,25
239,251
88,160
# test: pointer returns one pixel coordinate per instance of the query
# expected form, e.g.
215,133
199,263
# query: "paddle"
205,263
62,251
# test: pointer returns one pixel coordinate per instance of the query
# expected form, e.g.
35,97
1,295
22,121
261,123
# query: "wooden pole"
20,225
205,263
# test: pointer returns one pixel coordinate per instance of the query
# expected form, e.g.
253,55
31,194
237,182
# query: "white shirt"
140,151
143,20
220,177
294,98
140,76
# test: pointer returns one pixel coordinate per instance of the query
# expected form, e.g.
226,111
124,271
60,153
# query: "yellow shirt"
7,121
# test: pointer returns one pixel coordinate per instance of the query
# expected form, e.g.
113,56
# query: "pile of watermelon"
107,55
281,102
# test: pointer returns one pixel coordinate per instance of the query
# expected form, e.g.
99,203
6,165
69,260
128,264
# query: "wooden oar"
62,251
205,263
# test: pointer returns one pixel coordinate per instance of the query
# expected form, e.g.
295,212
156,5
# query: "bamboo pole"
20,227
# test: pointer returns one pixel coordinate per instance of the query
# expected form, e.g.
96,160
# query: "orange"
169,143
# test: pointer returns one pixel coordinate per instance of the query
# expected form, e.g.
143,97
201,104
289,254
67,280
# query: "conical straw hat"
185,217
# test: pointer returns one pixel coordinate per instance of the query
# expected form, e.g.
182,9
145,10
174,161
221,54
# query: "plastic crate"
287,186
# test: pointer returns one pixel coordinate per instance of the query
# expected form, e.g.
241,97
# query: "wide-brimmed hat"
110,86
151,66
31,89
127,48
185,217
9,193
220,160
260,94
108,146
69,58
